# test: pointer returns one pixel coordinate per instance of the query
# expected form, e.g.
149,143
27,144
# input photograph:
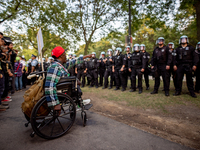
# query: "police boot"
110,87
104,87
91,86
154,92
116,89
166,93
123,89
132,90
147,88
193,95
140,91
177,93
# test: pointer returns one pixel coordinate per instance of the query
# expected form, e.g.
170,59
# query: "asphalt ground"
99,134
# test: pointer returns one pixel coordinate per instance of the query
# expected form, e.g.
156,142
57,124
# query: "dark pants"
197,85
101,73
136,72
174,76
108,73
185,69
93,73
82,75
117,78
161,71
6,85
2,84
146,77
24,79
72,72
123,78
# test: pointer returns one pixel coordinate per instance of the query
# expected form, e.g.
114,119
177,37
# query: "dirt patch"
180,125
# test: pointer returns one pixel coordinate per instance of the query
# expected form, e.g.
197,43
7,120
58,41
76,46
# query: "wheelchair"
48,123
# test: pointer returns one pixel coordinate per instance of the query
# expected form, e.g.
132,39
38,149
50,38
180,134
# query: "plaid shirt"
54,73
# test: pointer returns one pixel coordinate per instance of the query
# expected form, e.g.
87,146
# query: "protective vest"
136,59
185,55
160,55
109,63
118,61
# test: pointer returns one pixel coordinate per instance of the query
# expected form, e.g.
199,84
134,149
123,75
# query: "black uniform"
92,71
174,73
185,59
71,67
2,80
126,72
197,73
160,59
102,68
80,71
146,70
108,72
118,62
136,62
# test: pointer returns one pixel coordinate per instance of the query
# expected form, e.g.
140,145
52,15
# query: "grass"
146,100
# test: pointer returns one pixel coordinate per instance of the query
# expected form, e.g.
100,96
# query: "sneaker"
86,101
9,97
6,100
4,107
4,103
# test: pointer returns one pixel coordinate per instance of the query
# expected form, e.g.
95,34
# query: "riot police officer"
92,70
71,65
136,65
197,85
161,61
109,62
80,69
174,75
186,62
146,56
117,67
126,73
102,67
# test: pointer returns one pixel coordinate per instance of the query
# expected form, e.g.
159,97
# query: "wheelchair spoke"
66,118
47,123
52,127
60,124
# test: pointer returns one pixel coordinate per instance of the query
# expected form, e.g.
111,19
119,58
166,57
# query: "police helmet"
127,48
74,55
102,53
136,48
184,39
109,51
117,51
160,39
81,55
142,47
198,45
93,54
171,44
69,55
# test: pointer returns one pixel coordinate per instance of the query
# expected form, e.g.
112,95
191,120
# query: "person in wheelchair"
54,73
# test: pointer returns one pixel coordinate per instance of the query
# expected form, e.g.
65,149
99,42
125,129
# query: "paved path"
100,133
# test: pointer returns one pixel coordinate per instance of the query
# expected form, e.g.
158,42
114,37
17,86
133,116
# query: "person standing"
108,62
174,73
136,65
161,61
102,67
92,70
18,74
118,66
186,62
197,85
146,56
34,67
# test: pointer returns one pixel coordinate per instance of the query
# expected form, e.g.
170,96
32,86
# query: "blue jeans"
18,80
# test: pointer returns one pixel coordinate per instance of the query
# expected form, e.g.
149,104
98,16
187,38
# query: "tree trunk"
86,48
197,6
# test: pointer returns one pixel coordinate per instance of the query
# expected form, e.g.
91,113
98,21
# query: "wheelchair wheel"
47,123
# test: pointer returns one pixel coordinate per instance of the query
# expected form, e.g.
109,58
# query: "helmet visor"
116,52
142,48
170,46
160,41
184,40
136,48
93,55
128,49
109,52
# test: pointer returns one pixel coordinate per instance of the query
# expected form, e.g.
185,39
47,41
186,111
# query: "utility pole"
129,29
